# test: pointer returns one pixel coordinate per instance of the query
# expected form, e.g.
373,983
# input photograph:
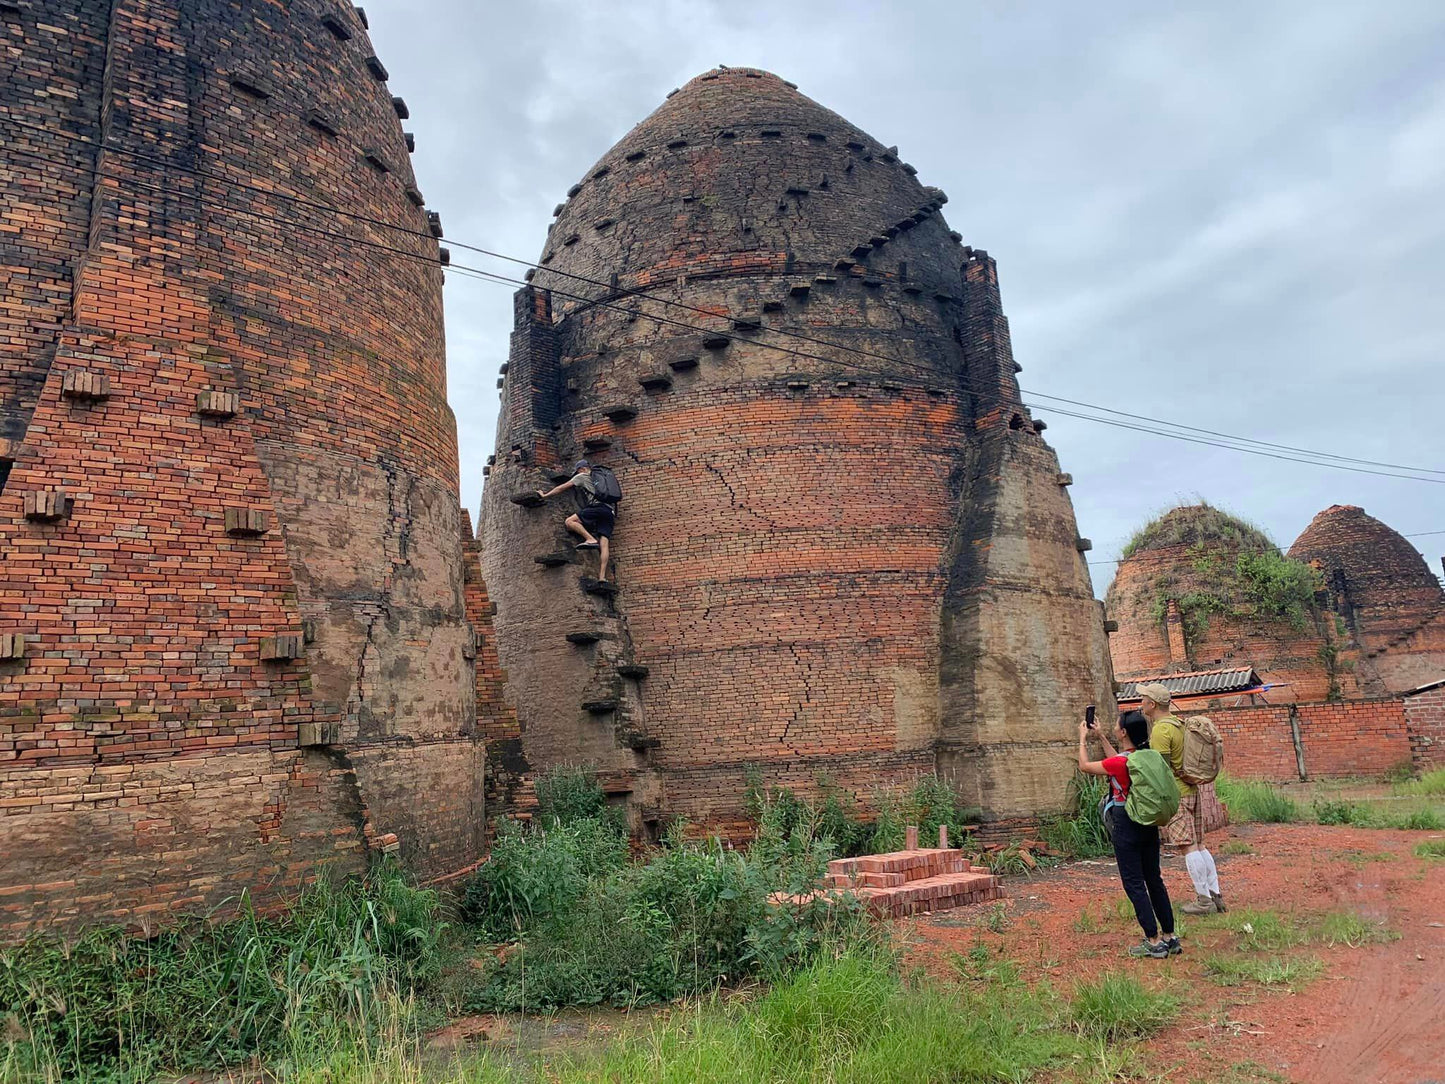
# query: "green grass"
111,1007
1348,928
1431,848
1253,802
1291,971
1261,931
1080,832
1117,1006
851,1020
1377,815
1236,847
1431,784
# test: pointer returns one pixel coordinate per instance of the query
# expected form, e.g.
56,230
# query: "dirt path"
1375,1014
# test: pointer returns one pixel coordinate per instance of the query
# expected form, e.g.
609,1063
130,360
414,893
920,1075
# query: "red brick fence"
1289,742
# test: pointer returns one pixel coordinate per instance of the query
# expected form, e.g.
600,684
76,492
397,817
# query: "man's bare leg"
602,571
573,524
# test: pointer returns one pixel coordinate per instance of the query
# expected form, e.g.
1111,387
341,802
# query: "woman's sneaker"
1173,945
1150,949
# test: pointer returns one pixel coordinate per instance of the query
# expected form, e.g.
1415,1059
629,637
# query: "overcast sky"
1230,215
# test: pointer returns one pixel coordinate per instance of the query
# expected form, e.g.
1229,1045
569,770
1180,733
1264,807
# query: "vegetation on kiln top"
1200,525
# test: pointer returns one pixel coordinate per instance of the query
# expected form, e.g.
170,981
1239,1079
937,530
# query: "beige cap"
1156,692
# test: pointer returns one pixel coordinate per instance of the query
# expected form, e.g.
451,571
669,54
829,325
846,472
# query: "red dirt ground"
1375,1014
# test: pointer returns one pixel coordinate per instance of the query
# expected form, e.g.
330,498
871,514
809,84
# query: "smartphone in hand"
1089,716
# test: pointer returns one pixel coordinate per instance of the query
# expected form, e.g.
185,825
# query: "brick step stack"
912,881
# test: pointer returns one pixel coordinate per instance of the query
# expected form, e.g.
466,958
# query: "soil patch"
1372,1014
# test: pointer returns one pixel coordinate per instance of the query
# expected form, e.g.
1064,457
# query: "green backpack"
1153,794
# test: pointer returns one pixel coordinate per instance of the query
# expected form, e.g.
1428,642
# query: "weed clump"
1117,1006
1348,928
1288,971
202,995
1254,802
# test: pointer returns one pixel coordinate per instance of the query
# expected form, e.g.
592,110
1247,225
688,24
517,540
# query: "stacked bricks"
830,565
183,350
913,881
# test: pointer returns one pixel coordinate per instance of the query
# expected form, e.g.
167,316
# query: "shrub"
200,995
570,792
1257,802
1340,813
539,872
1117,1006
695,915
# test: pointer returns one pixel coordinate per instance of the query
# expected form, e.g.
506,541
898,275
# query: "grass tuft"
1431,784
1431,848
1255,802
1291,971
1261,931
1348,928
1117,1006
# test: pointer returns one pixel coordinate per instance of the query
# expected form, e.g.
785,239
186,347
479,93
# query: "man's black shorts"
598,518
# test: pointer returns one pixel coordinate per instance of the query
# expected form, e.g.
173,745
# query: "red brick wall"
1425,715
1258,743
1351,738
149,756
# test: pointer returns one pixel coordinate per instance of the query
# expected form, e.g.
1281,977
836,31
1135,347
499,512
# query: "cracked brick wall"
829,564
245,644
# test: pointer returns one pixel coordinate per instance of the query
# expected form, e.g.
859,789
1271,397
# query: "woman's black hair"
1136,726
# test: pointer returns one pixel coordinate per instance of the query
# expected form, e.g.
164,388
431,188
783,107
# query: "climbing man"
1186,831
597,494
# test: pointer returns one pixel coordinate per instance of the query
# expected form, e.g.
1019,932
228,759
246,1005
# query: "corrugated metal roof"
1200,682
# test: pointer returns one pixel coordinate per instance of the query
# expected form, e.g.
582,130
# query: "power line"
988,396
632,292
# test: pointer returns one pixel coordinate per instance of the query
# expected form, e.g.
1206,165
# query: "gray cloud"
1223,214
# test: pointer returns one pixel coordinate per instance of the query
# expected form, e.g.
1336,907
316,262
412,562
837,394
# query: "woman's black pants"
1136,847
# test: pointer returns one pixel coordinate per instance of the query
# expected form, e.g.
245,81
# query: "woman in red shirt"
1136,846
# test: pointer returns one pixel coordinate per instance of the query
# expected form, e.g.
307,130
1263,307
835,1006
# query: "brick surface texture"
1376,627
1383,591
149,759
858,567
1335,739
1149,643
1425,714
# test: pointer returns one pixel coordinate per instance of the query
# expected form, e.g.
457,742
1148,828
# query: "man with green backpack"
1142,797
1195,752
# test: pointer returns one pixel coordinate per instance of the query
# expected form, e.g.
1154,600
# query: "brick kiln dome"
230,540
822,567
1183,604
1383,589
736,165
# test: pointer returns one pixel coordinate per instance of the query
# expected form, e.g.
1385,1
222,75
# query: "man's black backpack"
604,485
